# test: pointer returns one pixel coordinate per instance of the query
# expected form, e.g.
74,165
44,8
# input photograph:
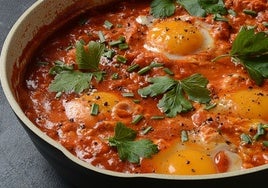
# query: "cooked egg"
184,159
177,38
249,103
79,109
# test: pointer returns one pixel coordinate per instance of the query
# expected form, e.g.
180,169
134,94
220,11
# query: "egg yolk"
79,108
105,100
190,159
251,103
175,37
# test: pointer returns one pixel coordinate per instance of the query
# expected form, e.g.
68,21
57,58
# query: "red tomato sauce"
67,118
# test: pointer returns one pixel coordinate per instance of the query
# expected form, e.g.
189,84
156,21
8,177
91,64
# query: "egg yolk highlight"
251,103
175,37
189,159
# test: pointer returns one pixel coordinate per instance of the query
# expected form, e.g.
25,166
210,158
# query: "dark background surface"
21,165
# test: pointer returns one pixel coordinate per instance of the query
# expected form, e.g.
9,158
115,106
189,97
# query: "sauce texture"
161,77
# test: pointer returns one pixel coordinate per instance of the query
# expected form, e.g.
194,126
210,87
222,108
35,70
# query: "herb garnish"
162,8
128,148
166,8
174,100
251,50
69,80
260,132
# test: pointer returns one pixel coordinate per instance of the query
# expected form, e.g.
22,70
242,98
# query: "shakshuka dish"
160,86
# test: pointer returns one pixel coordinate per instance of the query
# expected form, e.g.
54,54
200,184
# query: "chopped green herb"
121,40
157,117
94,109
107,24
109,53
265,143
144,70
128,94
101,36
121,59
115,76
137,119
245,138
59,67
168,71
218,17
136,101
123,46
146,130
132,68
128,148
250,12
210,106
232,12
184,136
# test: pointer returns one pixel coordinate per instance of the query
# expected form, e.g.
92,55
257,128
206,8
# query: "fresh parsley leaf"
70,81
251,50
59,67
162,8
249,44
203,7
174,102
128,148
192,7
195,87
159,86
89,59
174,92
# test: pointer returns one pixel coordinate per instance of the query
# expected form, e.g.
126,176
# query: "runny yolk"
175,37
189,159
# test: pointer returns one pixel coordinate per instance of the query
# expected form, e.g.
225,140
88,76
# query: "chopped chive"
101,36
137,119
265,143
121,59
218,17
119,25
210,106
232,12
184,136
69,48
109,54
115,42
265,24
168,71
42,63
144,70
157,117
123,46
115,76
146,130
129,94
107,24
120,40
94,109
250,12
59,94
245,138
156,64
136,101
132,68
